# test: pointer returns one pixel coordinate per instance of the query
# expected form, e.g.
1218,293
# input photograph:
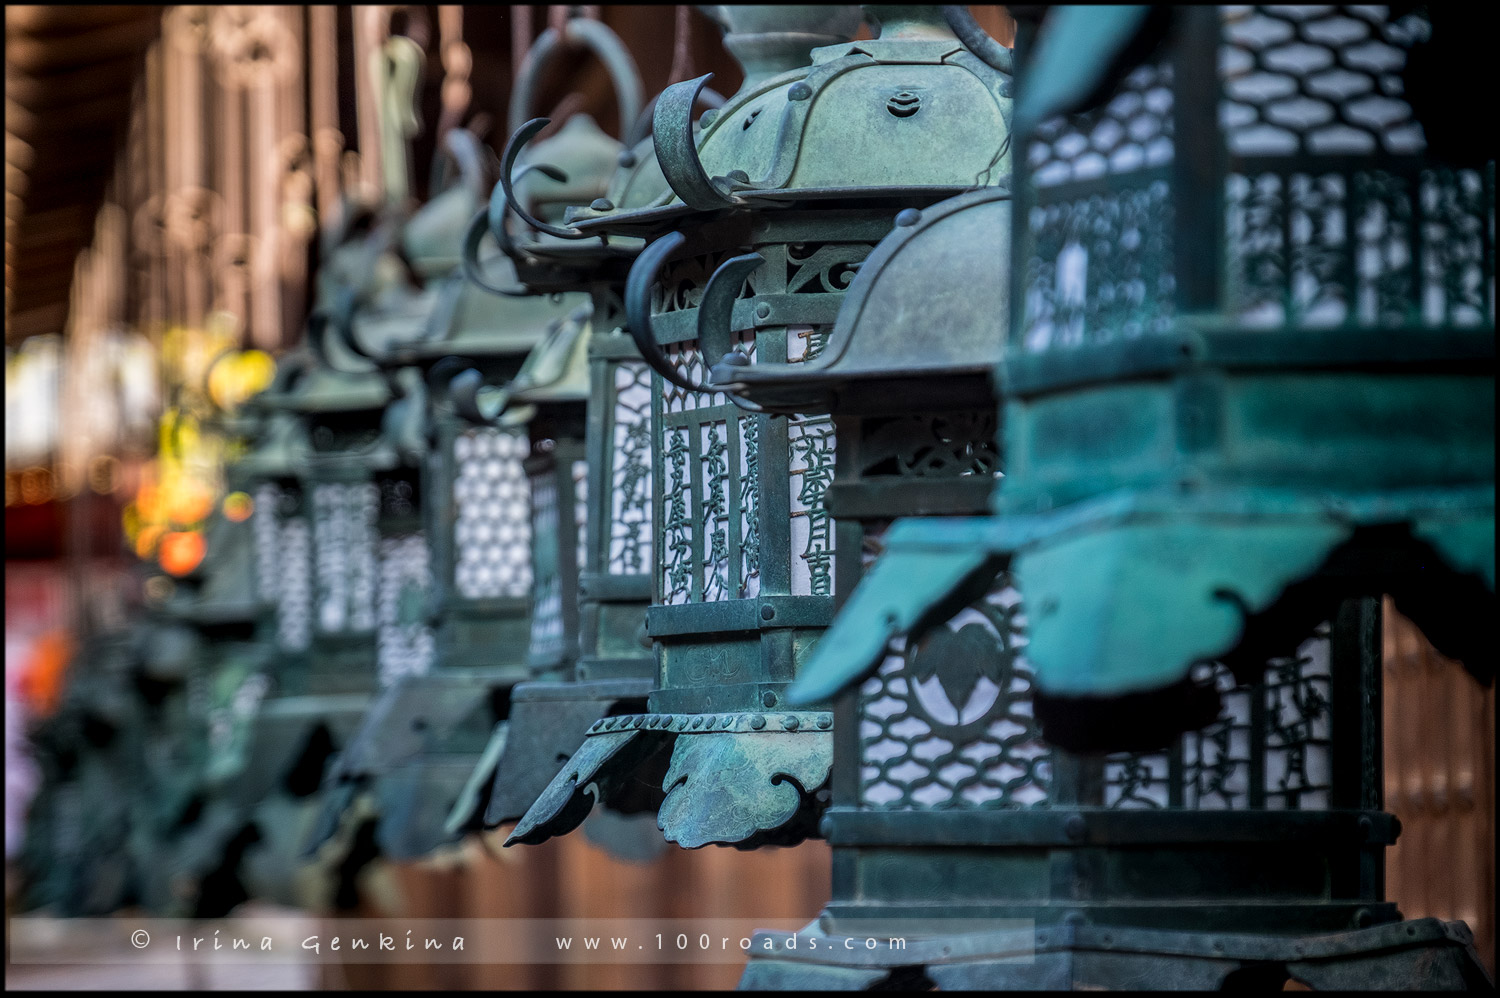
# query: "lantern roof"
557,369
927,307
280,449
863,120
471,322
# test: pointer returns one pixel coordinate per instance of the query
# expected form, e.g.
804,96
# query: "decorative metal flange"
706,724
748,779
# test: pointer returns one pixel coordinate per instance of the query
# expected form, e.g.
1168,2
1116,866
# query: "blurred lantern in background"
746,550
552,394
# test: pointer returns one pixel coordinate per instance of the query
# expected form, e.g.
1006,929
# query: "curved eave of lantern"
849,157
921,321
327,390
1163,580
745,779
557,369
411,753
272,771
473,324
548,721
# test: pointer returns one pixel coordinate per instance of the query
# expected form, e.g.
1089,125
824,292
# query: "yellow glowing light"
239,376
190,502
238,506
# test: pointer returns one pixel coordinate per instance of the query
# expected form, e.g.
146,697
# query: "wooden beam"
38,56
36,92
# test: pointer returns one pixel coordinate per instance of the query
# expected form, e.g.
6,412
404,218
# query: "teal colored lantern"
744,546
1054,725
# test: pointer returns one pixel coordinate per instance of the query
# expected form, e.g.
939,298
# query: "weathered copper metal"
1183,849
743,590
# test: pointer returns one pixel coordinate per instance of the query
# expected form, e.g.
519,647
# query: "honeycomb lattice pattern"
294,589
580,473
265,531
404,643
949,723
546,600
1317,80
493,532
344,518
1132,132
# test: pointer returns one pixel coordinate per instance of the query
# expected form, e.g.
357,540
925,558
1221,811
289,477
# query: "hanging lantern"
1248,846
744,543
78,856
554,394
457,641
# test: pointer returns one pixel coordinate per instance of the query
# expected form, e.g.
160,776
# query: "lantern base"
1423,954
548,722
780,762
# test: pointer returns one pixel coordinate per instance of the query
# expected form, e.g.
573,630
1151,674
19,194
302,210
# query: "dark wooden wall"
1440,781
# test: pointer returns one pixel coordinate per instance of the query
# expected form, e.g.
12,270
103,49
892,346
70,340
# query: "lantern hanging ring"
977,40
492,220
597,37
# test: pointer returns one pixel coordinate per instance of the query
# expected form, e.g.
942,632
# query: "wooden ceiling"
69,72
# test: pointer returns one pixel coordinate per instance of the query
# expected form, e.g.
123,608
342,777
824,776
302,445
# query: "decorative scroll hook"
513,146
977,40
638,285
476,401
341,317
716,310
492,220
676,151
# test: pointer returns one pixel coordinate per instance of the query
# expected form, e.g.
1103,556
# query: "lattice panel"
948,722
1323,80
1101,268
266,535
1132,132
580,473
1291,745
724,441
294,597
940,445
1365,247
546,603
630,472
810,441
344,545
1385,243
404,643
492,534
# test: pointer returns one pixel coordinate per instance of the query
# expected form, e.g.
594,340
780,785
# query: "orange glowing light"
189,503
238,506
45,672
181,551
146,540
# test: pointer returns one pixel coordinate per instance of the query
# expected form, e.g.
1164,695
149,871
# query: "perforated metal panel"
492,535
630,540
404,643
547,598
344,516
948,723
